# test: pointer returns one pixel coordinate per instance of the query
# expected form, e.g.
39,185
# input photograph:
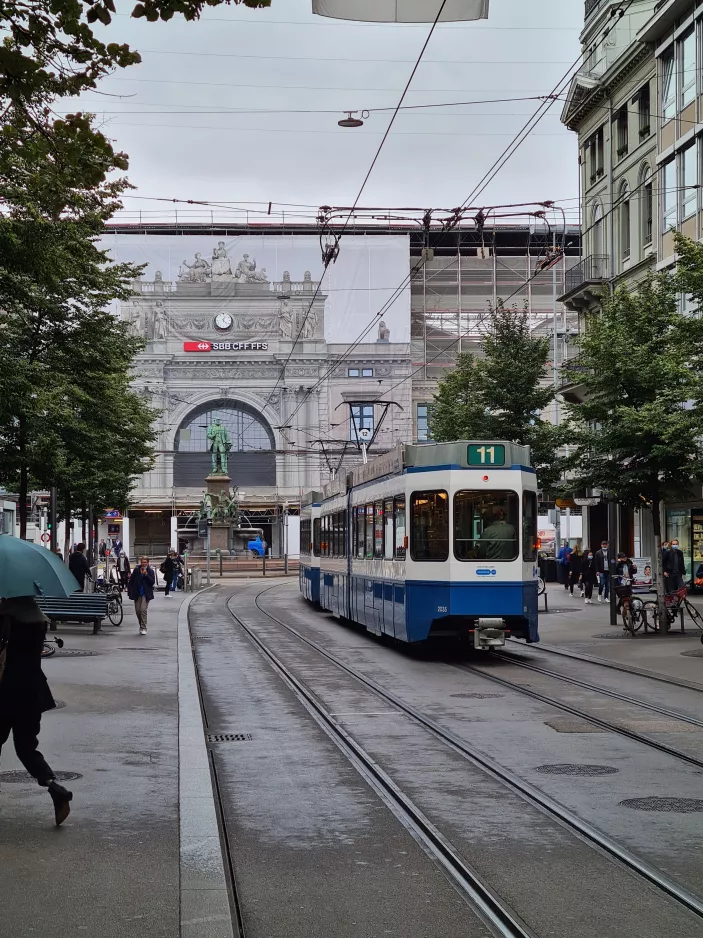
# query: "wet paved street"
316,852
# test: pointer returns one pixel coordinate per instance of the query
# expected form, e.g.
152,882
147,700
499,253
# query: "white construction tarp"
401,11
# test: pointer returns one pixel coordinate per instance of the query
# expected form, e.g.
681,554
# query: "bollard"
219,553
263,564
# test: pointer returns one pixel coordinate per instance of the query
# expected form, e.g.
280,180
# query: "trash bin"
548,569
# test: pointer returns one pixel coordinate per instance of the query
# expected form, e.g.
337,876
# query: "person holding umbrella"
26,571
25,694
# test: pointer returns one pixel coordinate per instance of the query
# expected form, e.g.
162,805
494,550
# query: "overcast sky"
194,120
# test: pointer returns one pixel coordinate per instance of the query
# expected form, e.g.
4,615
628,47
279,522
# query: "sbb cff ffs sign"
225,346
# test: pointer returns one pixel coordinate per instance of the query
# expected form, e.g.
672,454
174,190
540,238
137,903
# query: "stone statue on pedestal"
219,446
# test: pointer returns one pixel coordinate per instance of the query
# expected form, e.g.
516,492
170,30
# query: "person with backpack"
25,694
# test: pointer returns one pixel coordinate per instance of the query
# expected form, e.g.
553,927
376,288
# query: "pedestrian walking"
102,550
123,569
674,564
79,566
563,564
589,576
25,694
575,568
141,591
170,569
603,571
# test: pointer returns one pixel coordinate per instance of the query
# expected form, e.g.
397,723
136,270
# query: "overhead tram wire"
541,111
332,253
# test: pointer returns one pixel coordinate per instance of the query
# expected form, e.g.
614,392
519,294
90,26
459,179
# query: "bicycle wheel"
637,612
541,586
627,620
694,614
651,611
48,650
115,613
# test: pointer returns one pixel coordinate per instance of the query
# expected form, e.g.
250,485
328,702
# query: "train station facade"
238,327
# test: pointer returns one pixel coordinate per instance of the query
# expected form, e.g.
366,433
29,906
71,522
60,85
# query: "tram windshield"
486,525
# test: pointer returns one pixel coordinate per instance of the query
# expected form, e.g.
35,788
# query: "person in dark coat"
589,575
170,570
603,571
141,590
79,566
25,694
123,569
674,564
575,565
563,564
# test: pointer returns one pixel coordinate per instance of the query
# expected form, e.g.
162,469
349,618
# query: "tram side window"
316,537
400,531
344,532
529,527
388,521
486,525
429,526
353,532
378,531
305,536
360,530
335,536
369,532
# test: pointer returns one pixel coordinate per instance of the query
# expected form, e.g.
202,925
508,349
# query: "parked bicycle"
675,603
632,609
115,612
50,646
541,586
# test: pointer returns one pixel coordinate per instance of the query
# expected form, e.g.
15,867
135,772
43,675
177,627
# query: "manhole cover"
26,777
477,696
229,737
569,769
665,805
74,653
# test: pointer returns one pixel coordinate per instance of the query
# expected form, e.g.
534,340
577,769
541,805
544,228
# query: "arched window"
597,228
248,431
646,205
624,213
252,459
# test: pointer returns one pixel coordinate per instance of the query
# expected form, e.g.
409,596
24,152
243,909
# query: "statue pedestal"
216,483
219,536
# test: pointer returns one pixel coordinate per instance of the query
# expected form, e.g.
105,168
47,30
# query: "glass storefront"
686,524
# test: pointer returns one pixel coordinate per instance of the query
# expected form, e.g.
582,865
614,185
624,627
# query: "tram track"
612,665
516,785
607,725
597,688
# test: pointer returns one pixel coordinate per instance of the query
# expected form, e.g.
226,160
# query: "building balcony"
585,280
571,385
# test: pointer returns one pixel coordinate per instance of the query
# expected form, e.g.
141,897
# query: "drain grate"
477,696
73,653
589,771
229,737
665,805
26,777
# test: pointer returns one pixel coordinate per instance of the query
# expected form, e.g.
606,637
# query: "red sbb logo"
197,346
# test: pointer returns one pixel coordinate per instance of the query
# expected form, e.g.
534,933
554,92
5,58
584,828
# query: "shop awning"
401,11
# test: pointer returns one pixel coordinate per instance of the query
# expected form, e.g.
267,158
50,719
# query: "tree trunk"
84,512
661,602
66,523
24,476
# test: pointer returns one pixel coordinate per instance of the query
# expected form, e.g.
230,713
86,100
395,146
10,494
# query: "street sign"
587,502
108,543
46,537
203,525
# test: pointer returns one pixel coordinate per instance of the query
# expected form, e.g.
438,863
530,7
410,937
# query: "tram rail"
516,785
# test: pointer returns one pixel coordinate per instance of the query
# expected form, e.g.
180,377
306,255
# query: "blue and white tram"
436,539
309,568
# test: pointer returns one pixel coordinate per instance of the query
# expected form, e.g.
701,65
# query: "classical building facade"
295,368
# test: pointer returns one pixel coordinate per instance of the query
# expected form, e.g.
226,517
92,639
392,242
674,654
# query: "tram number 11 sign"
486,454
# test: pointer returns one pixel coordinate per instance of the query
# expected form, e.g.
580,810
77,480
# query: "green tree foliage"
638,434
502,394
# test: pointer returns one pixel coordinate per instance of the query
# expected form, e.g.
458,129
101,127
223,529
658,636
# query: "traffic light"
49,525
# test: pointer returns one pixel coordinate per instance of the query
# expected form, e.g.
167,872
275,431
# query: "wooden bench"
79,607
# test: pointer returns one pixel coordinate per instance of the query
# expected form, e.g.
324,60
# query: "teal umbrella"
29,570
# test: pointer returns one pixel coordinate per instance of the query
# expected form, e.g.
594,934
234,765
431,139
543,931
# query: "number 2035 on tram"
429,540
